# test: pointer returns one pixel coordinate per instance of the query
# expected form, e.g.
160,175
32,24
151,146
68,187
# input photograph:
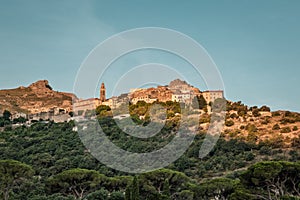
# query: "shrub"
234,116
276,127
204,119
8,128
242,113
265,150
286,120
255,113
285,130
296,142
229,123
252,137
274,114
265,121
251,128
234,133
249,156
265,109
288,114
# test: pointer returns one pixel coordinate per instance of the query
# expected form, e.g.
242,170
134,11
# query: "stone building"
145,97
90,104
116,101
18,115
86,104
212,95
184,97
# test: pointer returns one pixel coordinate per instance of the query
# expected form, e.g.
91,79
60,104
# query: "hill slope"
37,97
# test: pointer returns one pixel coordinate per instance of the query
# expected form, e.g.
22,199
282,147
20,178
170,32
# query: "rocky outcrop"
42,85
37,97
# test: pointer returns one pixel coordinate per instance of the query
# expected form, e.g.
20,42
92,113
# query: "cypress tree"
135,194
128,193
166,189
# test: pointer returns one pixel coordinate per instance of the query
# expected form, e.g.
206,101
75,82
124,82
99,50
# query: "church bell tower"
102,93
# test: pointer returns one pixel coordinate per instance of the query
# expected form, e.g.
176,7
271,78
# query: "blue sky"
255,44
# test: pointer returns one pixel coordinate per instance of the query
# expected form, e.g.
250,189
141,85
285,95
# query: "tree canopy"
12,173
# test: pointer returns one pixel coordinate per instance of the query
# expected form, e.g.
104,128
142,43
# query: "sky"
254,44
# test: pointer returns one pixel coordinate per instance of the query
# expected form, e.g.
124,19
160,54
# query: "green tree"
102,110
98,195
12,173
153,183
76,182
202,102
135,191
185,195
6,115
128,193
166,189
273,179
220,188
20,120
199,102
116,195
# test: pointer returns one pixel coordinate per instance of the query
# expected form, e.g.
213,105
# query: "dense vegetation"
47,161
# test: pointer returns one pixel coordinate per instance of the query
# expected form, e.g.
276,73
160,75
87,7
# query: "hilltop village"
177,91
39,101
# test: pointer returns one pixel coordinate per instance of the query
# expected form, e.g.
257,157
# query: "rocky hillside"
260,125
278,129
37,97
255,125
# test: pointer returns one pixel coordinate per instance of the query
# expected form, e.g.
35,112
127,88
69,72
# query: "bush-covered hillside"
48,161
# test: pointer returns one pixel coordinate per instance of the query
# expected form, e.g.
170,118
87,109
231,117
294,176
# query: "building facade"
90,104
184,97
212,95
86,104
